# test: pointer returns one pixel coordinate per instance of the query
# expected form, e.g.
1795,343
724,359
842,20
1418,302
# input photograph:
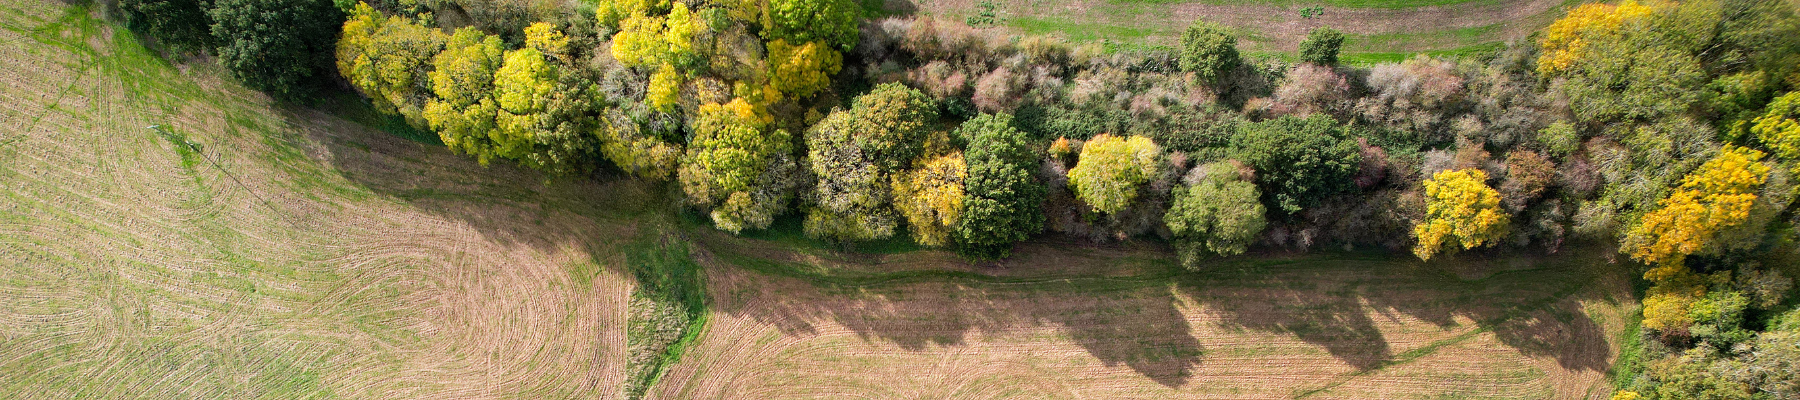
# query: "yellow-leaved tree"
801,70
1779,127
664,89
1714,197
930,196
388,59
653,40
1460,210
522,88
1112,169
462,78
1566,40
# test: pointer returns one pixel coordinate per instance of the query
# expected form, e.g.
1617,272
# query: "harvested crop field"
245,249
251,251
1096,325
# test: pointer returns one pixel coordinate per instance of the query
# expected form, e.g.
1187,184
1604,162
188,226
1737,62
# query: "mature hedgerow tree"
281,47
389,60
930,196
462,78
738,167
1460,210
1717,196
800,70
180,25
854,151
1321,46
1209,51
803,21
1002,200
1298,161
1112,170
1219,214
1779,127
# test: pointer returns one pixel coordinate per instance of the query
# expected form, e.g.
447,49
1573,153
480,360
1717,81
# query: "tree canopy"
1461,212
389,59
1298,161
854,151
462,78
1112,170
1716,196
1221,214
1209,51
930,196
281,47
832,22
1321,46
1002,202
733,164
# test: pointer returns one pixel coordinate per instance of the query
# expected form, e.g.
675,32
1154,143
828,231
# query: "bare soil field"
245,249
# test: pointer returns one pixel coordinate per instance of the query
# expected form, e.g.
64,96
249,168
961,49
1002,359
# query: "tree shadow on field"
1533,306
506,203
1314,307
1134,325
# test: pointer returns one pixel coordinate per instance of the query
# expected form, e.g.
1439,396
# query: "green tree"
179,24
732,163
803,21
462,79
1298,161
1112,170
1460,210
1209,51
1002,200
854,151
282,47
1321,46
1221,214
389,60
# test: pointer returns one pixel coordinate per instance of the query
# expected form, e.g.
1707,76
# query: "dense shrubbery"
1671,129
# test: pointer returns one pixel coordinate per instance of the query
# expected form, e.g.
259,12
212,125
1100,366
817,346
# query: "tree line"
1668,130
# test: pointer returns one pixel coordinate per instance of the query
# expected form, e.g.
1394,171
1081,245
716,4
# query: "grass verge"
668,309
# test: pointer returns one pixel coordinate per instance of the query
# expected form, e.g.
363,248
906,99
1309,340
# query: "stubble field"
252,250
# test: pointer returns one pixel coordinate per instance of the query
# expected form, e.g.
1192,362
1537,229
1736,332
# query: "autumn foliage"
1566,40
1112,169
1716,196
1461,211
